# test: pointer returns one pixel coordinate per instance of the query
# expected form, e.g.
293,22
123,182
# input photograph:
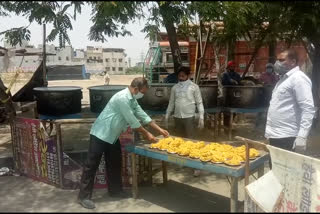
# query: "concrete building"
95,59
114,60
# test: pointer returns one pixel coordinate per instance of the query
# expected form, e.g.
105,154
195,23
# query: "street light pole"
44,58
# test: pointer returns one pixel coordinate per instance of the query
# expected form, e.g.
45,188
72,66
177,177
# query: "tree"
111,18
41,13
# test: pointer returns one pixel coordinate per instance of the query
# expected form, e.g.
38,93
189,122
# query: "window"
95,58
99,58
113,69
114,59
107,60
169,57
120,60
120,69
90,57
67,58
184,57
59,58
107,68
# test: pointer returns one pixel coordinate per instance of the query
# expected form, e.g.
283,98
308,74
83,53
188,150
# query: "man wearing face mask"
121,111
269,78
184,98
291,108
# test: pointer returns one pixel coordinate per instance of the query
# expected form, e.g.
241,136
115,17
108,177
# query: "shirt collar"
128,94
289,73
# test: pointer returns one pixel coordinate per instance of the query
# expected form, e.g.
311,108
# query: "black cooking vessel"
58,100
101,94
244,96
158,96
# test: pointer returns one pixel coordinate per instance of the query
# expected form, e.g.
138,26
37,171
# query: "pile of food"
214,152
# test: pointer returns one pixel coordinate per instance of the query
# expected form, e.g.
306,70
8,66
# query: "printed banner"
298,174
36,154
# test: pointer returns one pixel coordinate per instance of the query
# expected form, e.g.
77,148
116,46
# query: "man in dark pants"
184,98
229,78
291,109
122,110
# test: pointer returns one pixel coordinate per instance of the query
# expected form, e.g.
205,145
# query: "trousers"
112,154
185,127
283,143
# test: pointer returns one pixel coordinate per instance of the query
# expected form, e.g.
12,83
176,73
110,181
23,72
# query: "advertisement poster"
37,155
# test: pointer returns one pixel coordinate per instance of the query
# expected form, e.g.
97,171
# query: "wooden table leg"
261,171
150,171
164,172
134,176
230,126
215,123
234,195
219,123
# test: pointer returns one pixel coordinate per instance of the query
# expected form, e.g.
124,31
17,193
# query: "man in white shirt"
291,109
184,98
106,78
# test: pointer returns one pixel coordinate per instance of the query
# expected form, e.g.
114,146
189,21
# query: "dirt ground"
184,192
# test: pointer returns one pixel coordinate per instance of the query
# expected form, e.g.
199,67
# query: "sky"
134,45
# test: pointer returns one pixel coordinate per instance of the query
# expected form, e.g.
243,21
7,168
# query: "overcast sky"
133,45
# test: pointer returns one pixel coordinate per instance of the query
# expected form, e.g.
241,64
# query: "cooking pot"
101,94
58,100
267,94
158,96
209,95
244,96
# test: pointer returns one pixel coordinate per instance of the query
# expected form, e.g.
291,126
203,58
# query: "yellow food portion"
214,152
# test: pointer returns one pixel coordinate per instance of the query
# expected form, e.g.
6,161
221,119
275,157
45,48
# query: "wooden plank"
134,176
150,172
59,148
142,149
164,172
234,195
255,144
230,126
75,121
247,168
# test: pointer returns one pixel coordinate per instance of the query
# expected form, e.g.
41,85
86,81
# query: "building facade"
95,59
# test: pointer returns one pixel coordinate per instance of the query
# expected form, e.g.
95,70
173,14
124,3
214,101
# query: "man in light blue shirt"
121,111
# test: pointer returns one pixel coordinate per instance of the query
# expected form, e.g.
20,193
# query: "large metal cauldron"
58,100
209,95
101,94
244,96
158,96
267,94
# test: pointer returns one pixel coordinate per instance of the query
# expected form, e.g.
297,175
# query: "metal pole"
44,58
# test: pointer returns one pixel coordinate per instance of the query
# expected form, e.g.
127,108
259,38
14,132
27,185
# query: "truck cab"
158,63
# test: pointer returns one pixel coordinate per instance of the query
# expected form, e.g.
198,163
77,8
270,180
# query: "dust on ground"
184,192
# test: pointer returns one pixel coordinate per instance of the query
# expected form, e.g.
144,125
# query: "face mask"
280,68
138,96
183,83
269,70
